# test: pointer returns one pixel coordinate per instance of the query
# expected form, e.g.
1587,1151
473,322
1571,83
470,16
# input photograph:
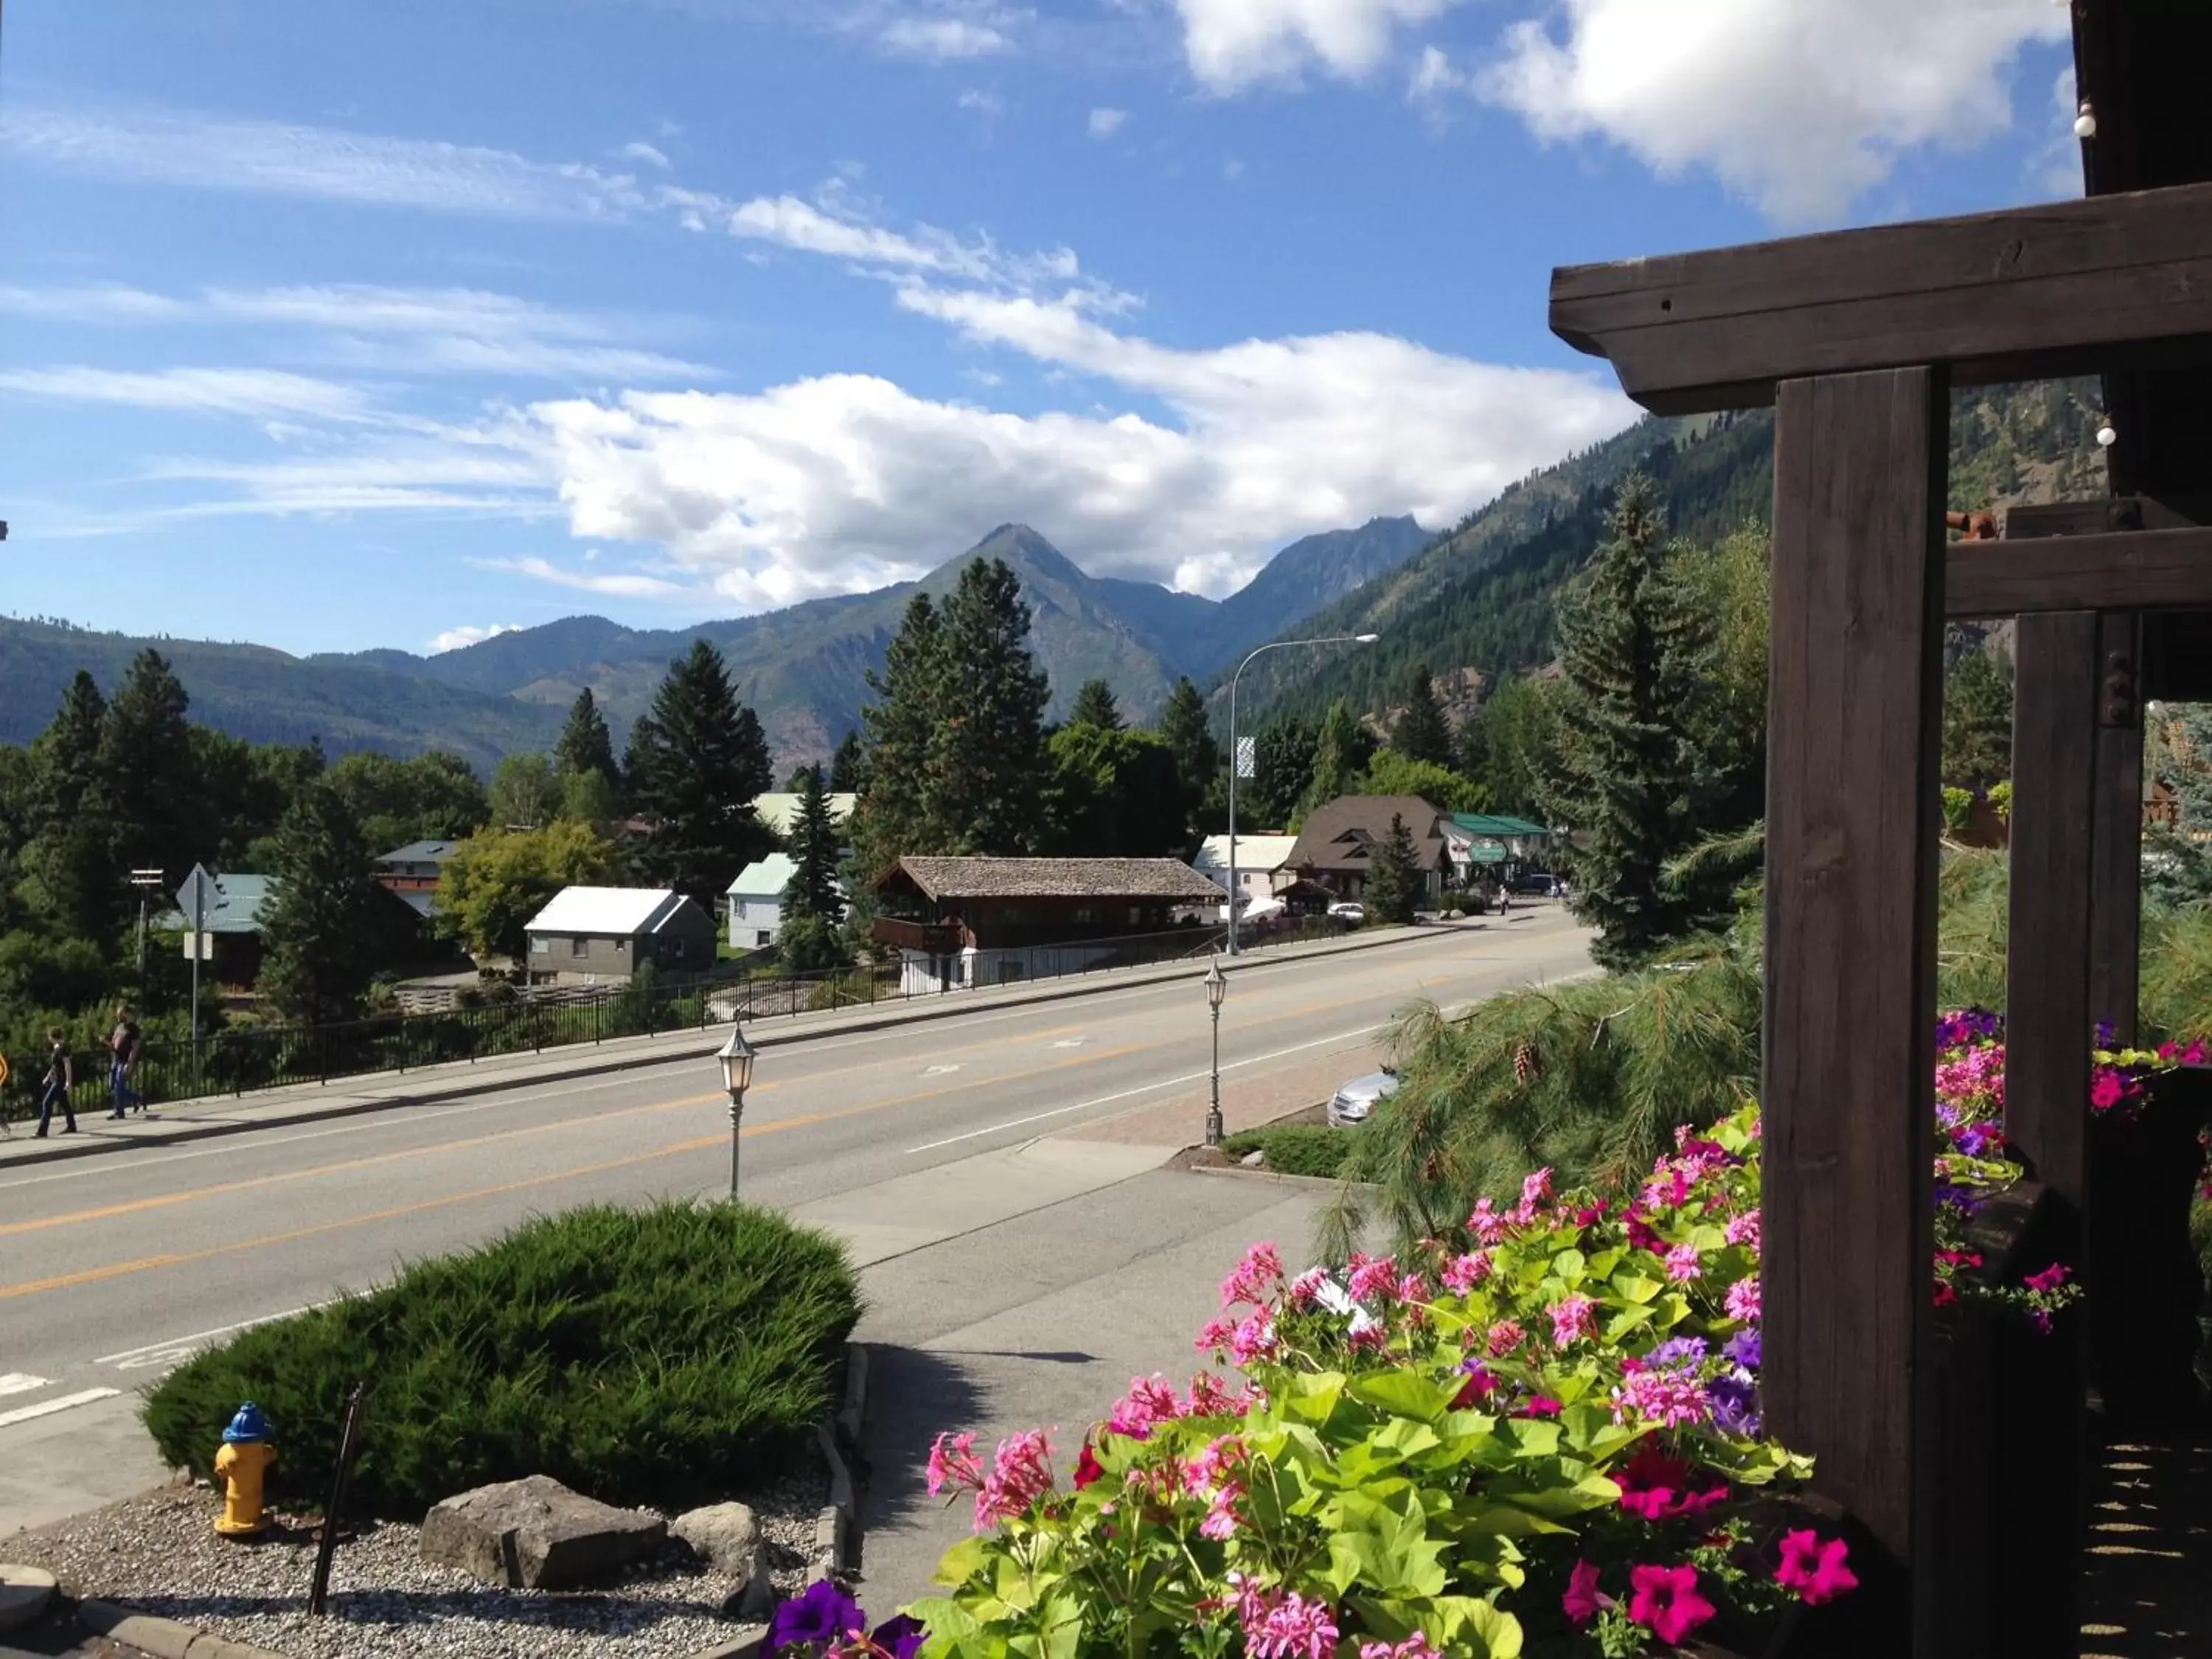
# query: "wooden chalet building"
973,921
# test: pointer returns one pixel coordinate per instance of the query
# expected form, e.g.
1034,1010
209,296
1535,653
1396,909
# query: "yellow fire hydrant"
241,1466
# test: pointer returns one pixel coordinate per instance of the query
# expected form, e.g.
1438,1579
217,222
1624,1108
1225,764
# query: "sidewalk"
211,1115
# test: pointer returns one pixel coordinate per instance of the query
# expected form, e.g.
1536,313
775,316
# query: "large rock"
535,1534
726,1536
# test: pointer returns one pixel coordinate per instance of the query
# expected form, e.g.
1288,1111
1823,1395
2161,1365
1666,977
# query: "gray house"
596,935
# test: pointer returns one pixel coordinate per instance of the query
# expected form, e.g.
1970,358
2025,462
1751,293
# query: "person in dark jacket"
54,1087
123,1046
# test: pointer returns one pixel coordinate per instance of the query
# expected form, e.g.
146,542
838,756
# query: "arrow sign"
200,895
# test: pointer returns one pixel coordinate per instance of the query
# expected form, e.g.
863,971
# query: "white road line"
22,1383
196,1337
48,1408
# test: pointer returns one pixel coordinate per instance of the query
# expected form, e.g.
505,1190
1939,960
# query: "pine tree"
320,928
1636,649
147,774
1283,768
585,744
1976,722
987,763
1394,876
812,906
892,816
845,765
1422,732
1095,706
1189,739
76,877
697,761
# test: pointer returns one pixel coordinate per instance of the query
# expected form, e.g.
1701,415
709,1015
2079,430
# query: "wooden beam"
1854,719
2116,828
2120,570
2020,294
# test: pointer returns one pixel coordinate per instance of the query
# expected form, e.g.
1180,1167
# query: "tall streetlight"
736,1061
1277,645
1217,987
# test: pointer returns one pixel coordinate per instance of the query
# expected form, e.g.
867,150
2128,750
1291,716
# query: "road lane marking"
48,1408
22,1383
130,1358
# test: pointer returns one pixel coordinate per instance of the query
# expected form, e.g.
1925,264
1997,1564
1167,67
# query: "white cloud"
1105,123
2055,166
836,228
102,302
638,150
256,392
616,587
1230,44
986,104
457,638
1800,106
944,39
185,149
1433,76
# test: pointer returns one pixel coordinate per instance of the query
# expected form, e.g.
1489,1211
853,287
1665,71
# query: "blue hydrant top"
248,1426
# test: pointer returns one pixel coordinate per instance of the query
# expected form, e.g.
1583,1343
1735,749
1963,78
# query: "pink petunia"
1582,1602
2050,1279
1666,1602
1817,1571
2105,1089
1658,1487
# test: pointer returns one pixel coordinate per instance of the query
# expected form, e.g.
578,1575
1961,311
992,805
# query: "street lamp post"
1217,987
737,1061
1276,645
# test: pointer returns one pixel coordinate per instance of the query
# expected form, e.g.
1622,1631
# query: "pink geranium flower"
1149,1401
1256,1279
1279,1626
1021,1475
1743,1301
1744,1229
1504,1336
1683,1263
1306,1288
1817,1571
1415,1646
1574,1319
1666,1602
1254,1340
1462,1275
1372,1277
1582,1601
953,1465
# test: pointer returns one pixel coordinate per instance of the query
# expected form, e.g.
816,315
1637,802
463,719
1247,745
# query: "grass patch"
1299,1149
665,1356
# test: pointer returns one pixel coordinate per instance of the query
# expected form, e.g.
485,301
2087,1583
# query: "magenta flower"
1666,1602
1480,1384
1683,1264
1306,1288
1744,1229
1021,1475
1467,1272
1371,1278
1254,1341
1215,1336
1279,1626
2105,1090
1743,1300
2050,1279
1582,1601
1658,1487
1573,1319
1504,1336
1150,1401
1535,1188
1815,1570
953,1465
1256,1279
1212,1396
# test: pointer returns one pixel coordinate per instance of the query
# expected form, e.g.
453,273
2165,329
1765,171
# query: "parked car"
1541,883
1348,911
1354,1101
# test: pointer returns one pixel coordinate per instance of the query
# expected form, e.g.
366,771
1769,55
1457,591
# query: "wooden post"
2116,828
1852,824
2048,1012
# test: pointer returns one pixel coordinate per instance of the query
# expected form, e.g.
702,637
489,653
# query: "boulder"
1254,1159
726,1536
535,1534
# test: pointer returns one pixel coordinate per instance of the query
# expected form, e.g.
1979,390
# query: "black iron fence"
505,1020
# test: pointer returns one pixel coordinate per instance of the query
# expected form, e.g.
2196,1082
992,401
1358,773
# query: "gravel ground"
159,1553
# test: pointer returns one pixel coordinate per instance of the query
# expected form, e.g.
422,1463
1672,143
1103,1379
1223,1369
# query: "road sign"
3,1068
201,895
1247,757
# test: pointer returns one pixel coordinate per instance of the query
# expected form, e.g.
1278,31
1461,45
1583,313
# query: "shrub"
1299,1149
664,1356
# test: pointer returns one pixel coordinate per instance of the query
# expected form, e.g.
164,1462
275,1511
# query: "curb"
837,1529
1311,1184
163,1638
932,1008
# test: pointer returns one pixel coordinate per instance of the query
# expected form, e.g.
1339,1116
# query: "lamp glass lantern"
1217,987
736,1057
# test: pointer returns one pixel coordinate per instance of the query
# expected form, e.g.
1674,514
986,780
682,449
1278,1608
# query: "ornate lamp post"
736,1057
1217,987
1276,645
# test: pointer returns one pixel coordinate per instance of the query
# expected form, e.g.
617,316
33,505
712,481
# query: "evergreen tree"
1189,735
892,817
1976,722
321,926
585,743
1095,706
147,774
812,906
1422,732
697,761
73,876
987,762
1394,876
1282,767
844,766
1338,757
1637,651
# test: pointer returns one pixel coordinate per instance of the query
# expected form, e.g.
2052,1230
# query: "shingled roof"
944,879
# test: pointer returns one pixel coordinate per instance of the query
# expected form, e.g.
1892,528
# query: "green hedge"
1299,1149
665,1357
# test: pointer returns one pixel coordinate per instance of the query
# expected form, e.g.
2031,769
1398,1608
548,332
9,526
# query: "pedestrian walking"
54,1087
123,1044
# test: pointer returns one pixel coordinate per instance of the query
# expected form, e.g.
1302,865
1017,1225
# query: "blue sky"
338,324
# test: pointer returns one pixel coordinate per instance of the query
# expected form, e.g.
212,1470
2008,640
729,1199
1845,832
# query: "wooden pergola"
1856,339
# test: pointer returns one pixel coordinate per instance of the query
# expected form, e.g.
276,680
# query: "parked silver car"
1355,1100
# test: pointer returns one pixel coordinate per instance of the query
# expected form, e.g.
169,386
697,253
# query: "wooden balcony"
936,939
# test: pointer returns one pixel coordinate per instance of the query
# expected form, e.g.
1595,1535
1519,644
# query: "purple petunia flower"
901,1636
823,1615
1743,1348
1677,1351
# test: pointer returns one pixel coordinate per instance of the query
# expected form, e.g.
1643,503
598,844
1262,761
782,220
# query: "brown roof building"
1336,844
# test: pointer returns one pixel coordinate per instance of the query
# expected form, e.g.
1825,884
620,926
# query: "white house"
592,935
755,902
1263,865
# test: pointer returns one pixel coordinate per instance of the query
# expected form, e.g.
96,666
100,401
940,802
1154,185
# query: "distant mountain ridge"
802,668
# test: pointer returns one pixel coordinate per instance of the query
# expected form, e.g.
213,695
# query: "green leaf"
1312,1397
1421,1398
962,1562
1570,1265
1635,1287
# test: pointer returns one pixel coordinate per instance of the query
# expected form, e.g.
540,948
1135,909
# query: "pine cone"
1524,1064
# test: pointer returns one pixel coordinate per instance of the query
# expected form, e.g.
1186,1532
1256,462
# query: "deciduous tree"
1115,794
526,793
1390,772
498,879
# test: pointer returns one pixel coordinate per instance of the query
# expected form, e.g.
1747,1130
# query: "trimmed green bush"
665,1356
1299,1149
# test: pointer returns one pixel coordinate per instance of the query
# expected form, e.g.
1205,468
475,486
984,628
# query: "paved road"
113,1269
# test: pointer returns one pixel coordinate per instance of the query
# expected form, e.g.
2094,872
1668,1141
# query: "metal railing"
507,1020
